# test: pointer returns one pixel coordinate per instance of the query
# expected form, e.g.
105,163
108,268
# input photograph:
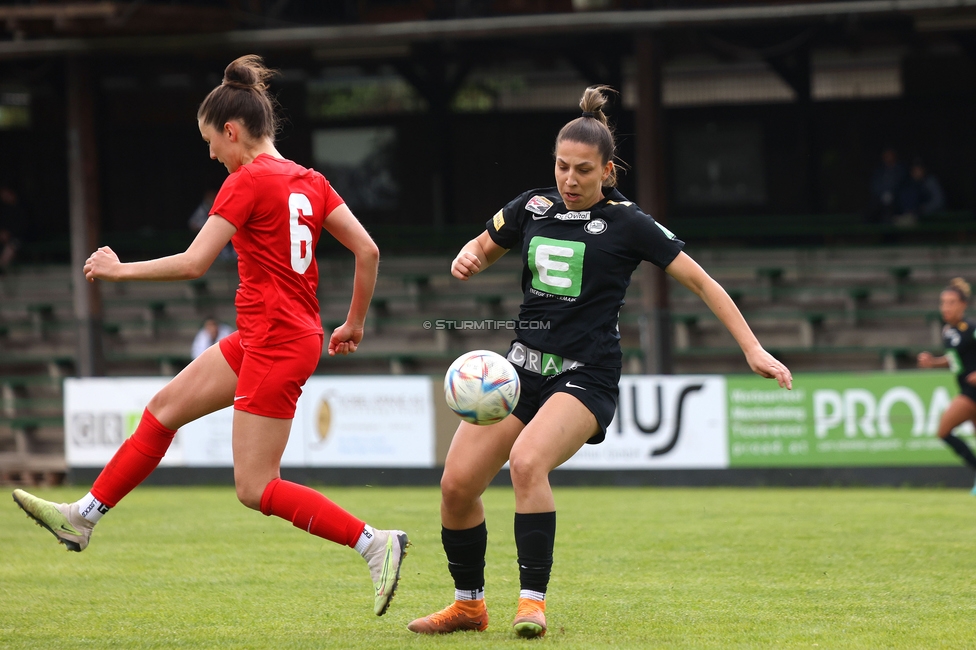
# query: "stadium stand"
818,309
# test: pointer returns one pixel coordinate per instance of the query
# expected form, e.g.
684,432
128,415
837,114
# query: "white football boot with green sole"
384,556
62,519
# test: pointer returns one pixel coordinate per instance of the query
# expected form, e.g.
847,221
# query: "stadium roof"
928,15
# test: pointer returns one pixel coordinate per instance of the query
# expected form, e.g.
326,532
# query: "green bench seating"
31,421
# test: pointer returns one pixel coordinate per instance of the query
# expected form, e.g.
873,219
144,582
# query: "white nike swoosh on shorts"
570,384
241,397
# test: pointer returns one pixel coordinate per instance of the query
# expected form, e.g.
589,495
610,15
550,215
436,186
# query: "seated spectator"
887,182
199,217
922,194
210,333
14,221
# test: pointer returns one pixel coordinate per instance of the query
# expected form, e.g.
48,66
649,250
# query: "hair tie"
588,114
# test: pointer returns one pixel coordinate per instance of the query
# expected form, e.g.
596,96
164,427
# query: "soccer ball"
482,387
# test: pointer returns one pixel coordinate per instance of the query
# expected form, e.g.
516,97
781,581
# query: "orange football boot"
530,620
458,616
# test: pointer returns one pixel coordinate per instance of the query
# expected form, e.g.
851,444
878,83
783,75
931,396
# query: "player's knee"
524,469
160,406
156,404
249,493
456,493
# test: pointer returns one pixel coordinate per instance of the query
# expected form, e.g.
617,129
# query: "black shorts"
596,387
966,389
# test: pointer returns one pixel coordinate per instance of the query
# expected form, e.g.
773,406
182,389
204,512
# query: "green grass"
635,568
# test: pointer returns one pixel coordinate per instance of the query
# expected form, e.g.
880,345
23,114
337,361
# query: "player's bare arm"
477,255
104,264
692,276
927,360
343,225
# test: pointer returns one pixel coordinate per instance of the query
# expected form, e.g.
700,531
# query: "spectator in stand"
922,194
887,182
14,222
199,217
210,333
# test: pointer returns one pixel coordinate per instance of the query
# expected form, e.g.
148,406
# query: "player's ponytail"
593,128
961,287
242,95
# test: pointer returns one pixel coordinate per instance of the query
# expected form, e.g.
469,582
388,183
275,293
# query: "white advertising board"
339,422
663,422
366,422
101,412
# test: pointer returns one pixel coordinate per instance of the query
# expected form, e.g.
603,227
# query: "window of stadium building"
351,93
15,110
361,162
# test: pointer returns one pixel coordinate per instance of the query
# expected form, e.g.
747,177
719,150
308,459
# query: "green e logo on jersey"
557,265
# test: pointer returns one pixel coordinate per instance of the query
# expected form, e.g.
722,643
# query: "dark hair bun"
254,107
248,72
961,286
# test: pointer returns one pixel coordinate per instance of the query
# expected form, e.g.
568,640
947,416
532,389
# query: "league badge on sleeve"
538,204
498,220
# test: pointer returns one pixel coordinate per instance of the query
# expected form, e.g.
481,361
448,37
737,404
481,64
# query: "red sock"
134,461
311,511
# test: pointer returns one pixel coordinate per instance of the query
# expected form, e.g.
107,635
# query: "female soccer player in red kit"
274,211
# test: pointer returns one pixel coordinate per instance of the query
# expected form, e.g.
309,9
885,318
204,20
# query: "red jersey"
278,208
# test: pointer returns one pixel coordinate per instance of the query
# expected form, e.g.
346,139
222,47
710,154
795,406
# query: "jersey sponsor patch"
596,227
538,204
574,216
498,220
557,266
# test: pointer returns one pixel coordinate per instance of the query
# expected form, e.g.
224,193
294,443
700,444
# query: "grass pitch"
635,568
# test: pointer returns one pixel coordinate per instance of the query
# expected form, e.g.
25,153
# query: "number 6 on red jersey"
301,236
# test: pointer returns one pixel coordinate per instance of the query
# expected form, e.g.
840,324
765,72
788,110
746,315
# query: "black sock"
534,535
466,555
962,449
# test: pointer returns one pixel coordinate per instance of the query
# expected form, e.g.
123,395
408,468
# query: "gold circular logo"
325,419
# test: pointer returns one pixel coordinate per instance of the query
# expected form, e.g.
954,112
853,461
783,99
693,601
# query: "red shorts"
270,380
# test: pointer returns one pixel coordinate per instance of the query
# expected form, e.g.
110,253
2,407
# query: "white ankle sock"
469,594
91,508
532,595
365,539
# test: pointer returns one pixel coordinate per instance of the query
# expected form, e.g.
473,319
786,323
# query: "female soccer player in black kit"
580,241
959,337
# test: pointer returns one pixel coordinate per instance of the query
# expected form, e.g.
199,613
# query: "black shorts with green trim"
597,388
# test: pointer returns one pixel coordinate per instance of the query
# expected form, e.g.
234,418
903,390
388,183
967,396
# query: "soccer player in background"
273,210
959,337
579,241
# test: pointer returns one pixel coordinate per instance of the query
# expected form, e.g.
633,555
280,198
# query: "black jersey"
576,269
960,345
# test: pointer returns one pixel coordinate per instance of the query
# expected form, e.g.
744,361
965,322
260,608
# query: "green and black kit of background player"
960,351
577,266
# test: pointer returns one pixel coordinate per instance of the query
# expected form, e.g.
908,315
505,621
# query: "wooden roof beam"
500,27
60,13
